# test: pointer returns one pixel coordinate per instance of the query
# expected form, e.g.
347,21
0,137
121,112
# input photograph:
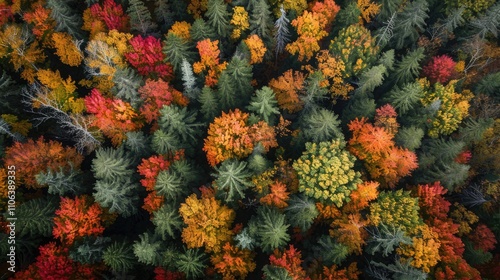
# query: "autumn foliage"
230,136
147,57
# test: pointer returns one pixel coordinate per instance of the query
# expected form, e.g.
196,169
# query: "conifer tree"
232,179
140,17
385,239
409,137
410,22
118,196
163,12
301,211
264,104
329,251
61,182
405,99
167,221
321,125
270,228
66,18
409,66
209,103
119,256
282,34
218,17
261,20
36,217
147,249
192,263
126,86
201,30
359,105
371,78
89,250
176,50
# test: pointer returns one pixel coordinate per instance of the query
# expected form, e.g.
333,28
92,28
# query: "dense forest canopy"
241,139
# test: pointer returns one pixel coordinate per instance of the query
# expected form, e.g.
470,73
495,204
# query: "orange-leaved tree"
209,63
287,88
230,136
233,262
385,162
33,157
77,218
311,27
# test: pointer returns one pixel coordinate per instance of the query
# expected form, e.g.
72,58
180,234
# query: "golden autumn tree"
311,27
256,47
424,250
239,21
67,49
59,90
208,223
333,69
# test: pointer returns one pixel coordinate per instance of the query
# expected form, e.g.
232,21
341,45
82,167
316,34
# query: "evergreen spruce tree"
385,239
61,182
472,130
119,256
176,50
147,249
409,67
209,104
270,228
35,218
180,122
190,89
321,125
330,251
119,196
192,263
405,99
409,23
371,78
315,93
163,12
261,20
409,137
218,17
359,105
167,221
301,211
67,20
201,30
232,179
272,272
265,105
89,250
140,17
240,74
126,85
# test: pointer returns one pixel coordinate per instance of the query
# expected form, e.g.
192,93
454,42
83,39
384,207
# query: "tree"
396,209
155,94
269,228
290,260
405,99
409,22
113,116
301,211
140,17
278,195
36,217
209,55
126,86
286,88
325,172
117,196
385,239
232,179
409,66
61,182
176,50
191,263
33,157
207,223
147,57
423,253
349,230
147,248
330,252
375,145
119,257
281,33
256,47
241,138
264,104
112,14
439,69
77,218
321,125
65,17
261,20
218,17
67,49
239,21
356,47
233,262
167,221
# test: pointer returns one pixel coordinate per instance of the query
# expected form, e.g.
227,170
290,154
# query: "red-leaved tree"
440,69
112,14
147,57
